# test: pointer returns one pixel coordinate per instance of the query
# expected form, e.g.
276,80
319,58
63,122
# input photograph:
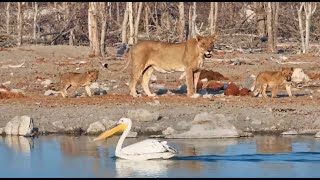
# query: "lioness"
165,57
77,80
273,79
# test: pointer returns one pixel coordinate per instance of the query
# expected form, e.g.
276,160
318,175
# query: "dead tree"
93,29
272,18
213,17
136,23
181,21
8,18
131,28
19,24
103,15
146,18
260,18
309,9
124,25
35,20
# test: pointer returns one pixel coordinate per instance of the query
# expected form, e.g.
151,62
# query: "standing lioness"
273,79
165,57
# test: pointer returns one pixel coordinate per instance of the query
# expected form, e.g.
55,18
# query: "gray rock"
142,115
299,76
94,85
19,125
50,92
256,122
209,125
291,132
46,82
249,82
58,124
132,135
96,127
1,131
108,123
168,131
317,135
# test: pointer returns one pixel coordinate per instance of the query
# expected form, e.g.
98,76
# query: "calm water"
63,156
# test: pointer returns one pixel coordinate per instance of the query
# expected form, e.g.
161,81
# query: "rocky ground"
29,67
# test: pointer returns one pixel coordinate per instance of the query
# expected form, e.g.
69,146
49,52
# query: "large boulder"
208,125
19,125
298,76
142,115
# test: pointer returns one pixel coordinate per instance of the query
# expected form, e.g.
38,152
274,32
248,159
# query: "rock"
95,128
154,103
291,132
132,134
46,82
94,85
168,131
58,124
249,82
244,92
299,76
208,125
246,134
108,123
19,125
317,135
142,115
256,122
76,130
232,90
1,131
100,92
50,92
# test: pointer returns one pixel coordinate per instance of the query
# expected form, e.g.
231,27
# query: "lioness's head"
206,44
93,75
287,73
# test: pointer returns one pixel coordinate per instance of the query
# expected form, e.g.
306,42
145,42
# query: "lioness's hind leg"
145,81
264,90
136,73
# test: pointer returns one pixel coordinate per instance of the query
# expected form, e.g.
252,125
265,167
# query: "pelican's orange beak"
120,127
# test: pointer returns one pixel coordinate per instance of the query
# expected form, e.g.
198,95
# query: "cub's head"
206,44
92,75
287,73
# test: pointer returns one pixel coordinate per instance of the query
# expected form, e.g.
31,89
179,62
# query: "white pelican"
143,150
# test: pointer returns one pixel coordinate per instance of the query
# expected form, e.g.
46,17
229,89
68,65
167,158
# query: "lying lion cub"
273,79
77,80
147,56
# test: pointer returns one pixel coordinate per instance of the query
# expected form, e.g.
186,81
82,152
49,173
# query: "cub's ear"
198,37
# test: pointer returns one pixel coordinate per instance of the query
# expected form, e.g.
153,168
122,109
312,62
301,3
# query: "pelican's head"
121,125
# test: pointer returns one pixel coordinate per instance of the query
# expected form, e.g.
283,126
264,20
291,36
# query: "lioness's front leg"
145,81
288,88
189,82
274,91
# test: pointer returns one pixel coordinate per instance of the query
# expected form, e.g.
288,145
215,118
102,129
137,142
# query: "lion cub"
77,80
273,79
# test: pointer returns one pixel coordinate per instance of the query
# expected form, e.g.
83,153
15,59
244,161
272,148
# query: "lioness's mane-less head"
287,73
206,44
93,75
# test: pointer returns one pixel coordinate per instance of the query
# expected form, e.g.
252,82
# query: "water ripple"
292,157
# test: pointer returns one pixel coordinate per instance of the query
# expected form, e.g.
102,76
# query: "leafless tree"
124,25
8,18
181,21
131,28
309,9
272,19
136,25
103,15
35,6
93,29
20,24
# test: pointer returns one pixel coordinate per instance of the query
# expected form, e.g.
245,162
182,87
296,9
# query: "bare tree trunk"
181,21
118,13
210,18
270,30
124,25
216,8
131,28
303,47
66,10
35,20
275,24
190,23
146,17
260,18
309,9
19,20
8,18
194,16
136,25
93,29
103,14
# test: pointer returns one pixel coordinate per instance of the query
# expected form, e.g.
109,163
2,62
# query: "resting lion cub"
273,79
188,57
77,80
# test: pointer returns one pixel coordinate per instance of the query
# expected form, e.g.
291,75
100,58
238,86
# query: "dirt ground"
251,114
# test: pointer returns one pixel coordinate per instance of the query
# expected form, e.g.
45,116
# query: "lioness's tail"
125,66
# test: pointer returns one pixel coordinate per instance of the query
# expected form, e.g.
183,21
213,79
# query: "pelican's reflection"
19,143
150,168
